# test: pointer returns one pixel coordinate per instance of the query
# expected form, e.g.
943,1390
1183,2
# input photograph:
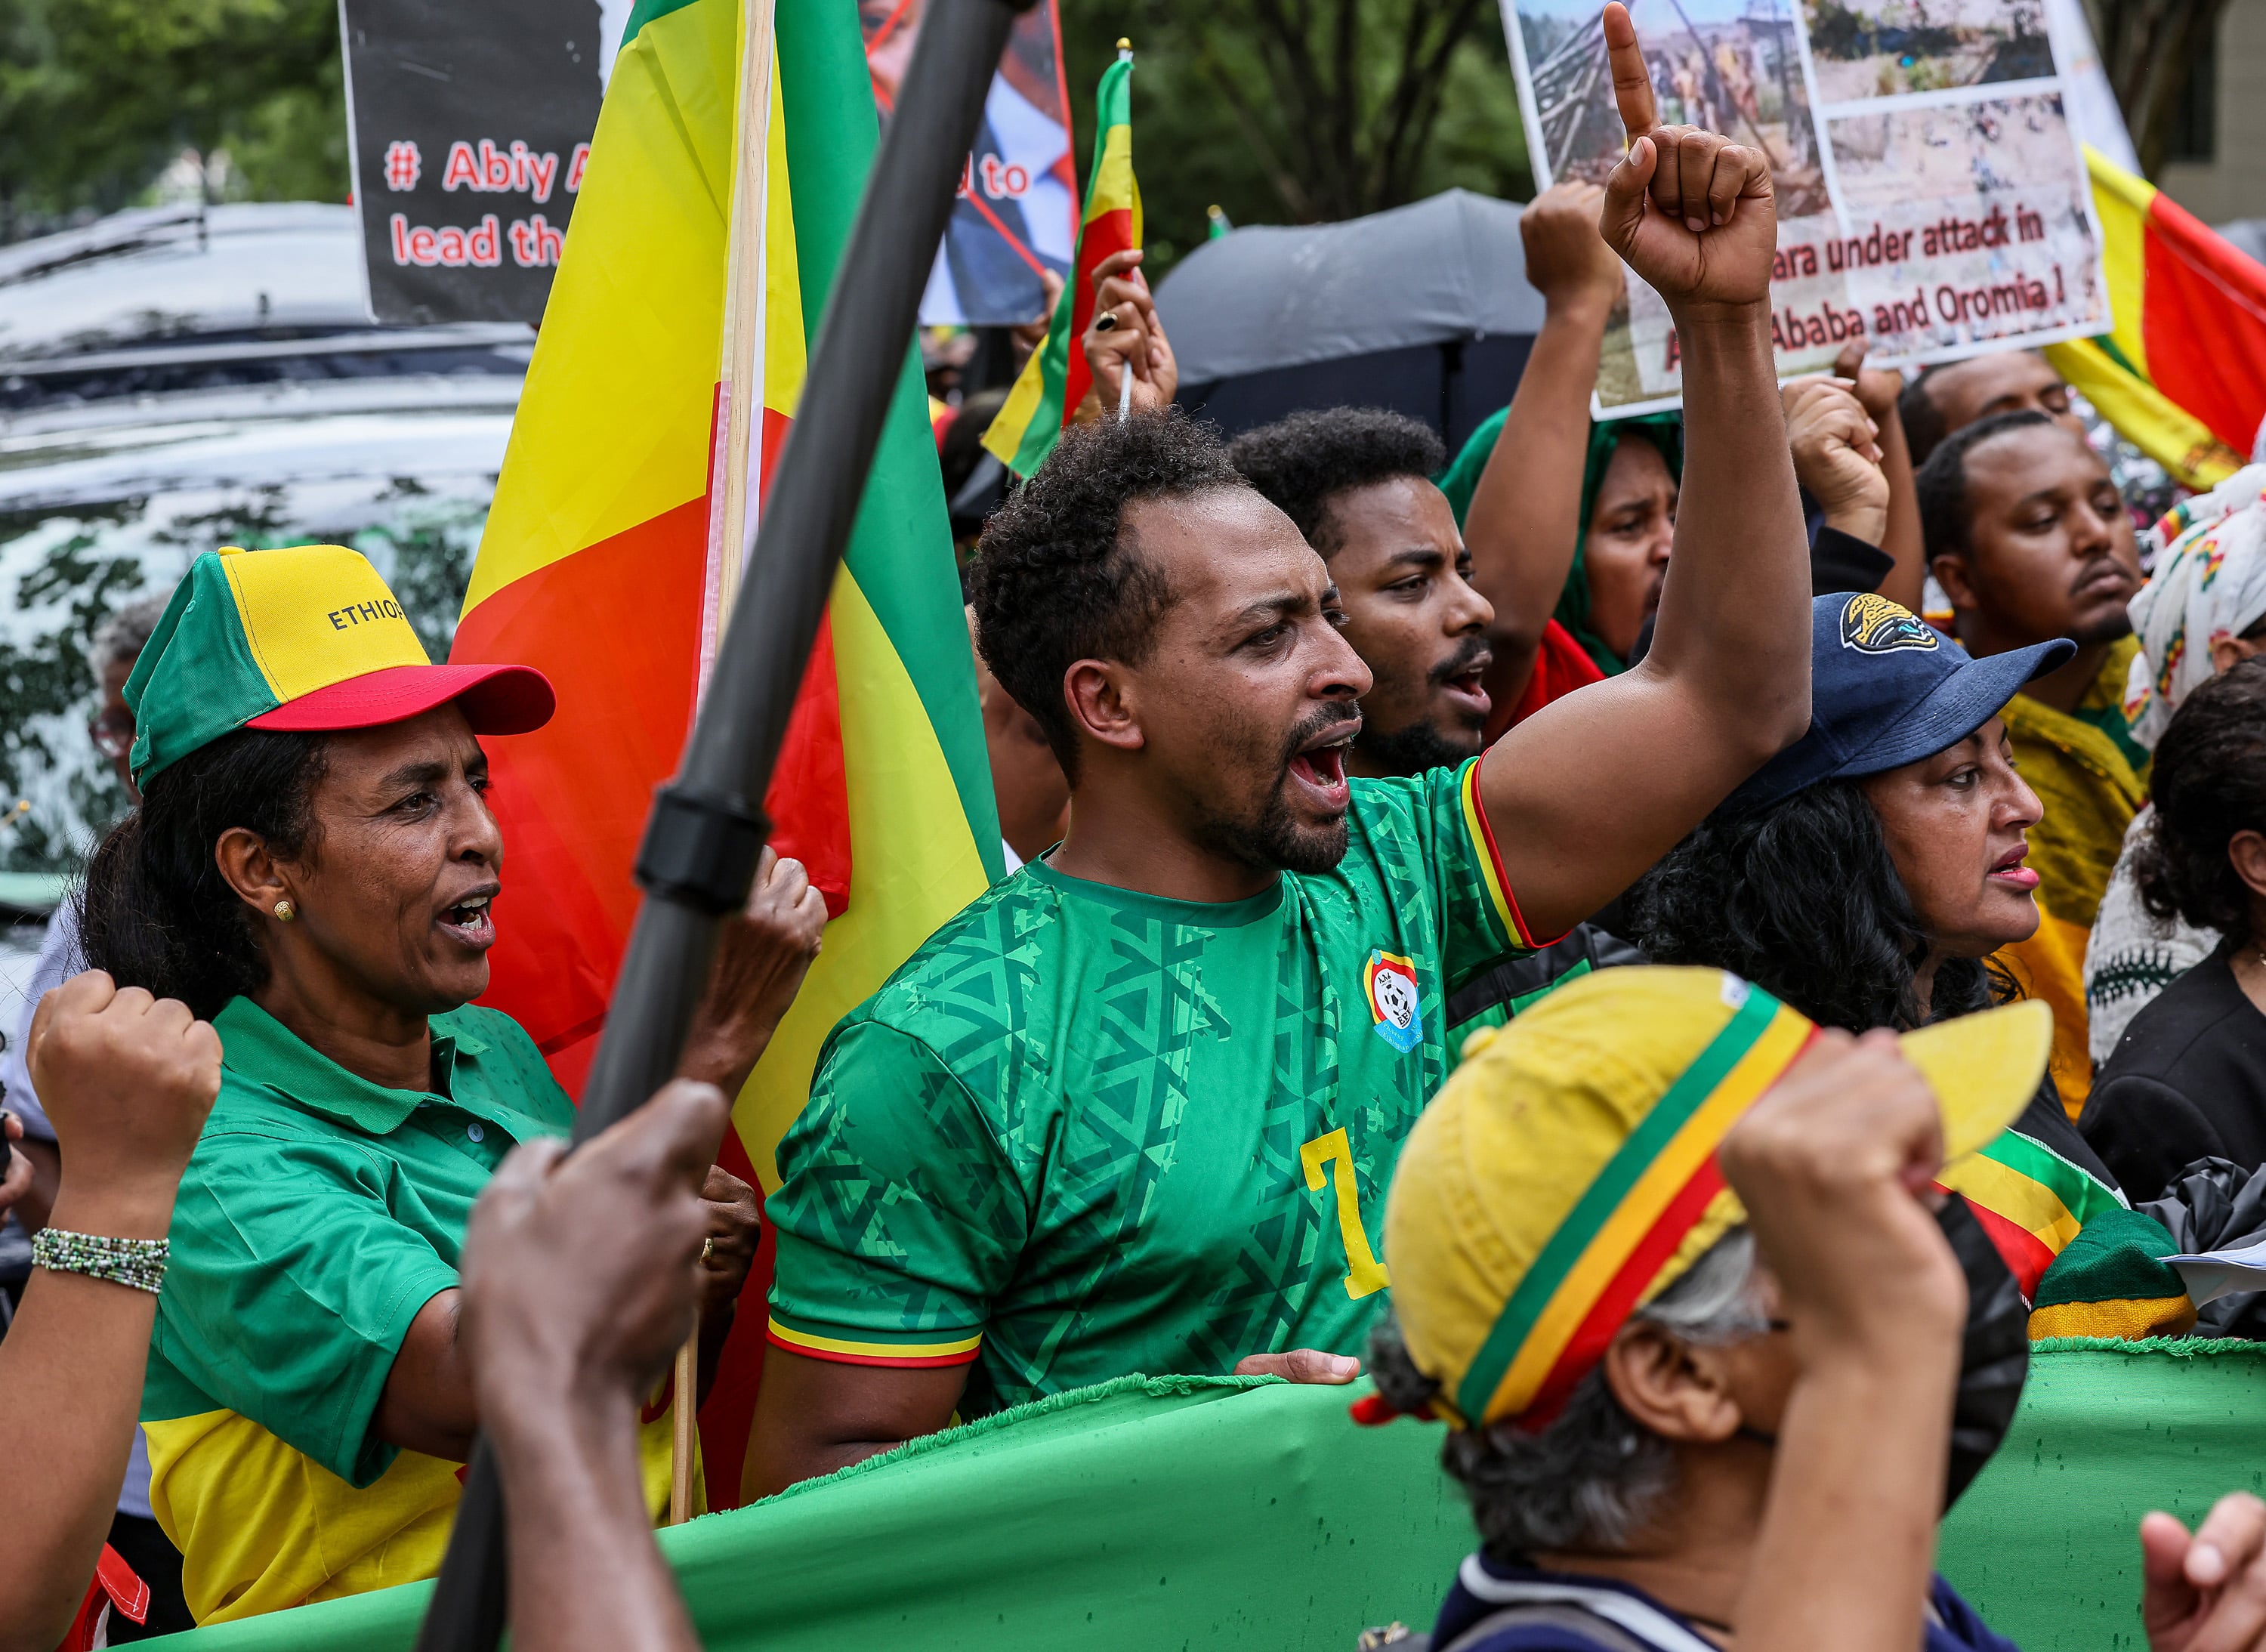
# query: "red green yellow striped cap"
1566,1173
307,639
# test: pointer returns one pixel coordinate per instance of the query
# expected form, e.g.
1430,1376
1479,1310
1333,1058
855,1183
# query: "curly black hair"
1941,482
1055,578
2209,782
1803,901
156,912
1303,462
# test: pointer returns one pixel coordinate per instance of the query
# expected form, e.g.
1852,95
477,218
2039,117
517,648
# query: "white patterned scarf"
2210,582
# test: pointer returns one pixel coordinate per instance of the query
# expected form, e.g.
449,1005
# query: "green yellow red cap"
1566,1173
305,639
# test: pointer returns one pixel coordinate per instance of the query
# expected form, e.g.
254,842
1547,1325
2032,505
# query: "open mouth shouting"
2009,873
1459,681
1319,765
467,922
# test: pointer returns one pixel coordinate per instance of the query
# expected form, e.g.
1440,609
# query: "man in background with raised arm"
1135,1109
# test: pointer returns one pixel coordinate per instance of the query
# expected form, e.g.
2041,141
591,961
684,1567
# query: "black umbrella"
1424,309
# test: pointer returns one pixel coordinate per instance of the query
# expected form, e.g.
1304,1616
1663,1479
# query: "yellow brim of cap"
1984,1069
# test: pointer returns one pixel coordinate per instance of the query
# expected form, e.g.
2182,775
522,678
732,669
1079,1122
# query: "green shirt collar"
1195,914
260,1047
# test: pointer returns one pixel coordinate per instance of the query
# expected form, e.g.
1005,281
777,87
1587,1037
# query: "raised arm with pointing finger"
1585,795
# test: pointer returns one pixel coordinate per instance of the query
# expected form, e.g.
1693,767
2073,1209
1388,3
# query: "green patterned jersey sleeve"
898,1216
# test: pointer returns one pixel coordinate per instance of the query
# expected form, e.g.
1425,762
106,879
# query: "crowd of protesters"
1618,876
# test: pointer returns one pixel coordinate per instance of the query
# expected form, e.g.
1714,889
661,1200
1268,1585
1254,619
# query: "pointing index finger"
1632,80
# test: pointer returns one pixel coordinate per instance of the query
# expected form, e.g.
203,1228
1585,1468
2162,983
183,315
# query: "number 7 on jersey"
1365,1274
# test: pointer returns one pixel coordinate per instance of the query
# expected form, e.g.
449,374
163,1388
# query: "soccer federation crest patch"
1390,981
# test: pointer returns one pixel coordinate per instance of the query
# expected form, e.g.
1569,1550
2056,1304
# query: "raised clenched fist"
1567,260
126,1081
1690,211
1837,455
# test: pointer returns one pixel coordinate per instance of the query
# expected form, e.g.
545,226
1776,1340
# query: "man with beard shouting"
1135,1109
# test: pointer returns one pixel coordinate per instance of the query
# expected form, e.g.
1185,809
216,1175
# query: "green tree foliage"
1301,111
97,97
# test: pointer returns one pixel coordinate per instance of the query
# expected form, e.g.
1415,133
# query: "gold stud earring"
285,911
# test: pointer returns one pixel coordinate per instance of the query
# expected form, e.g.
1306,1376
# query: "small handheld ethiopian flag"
1056,377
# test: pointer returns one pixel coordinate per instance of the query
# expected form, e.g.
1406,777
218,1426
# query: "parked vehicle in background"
176,379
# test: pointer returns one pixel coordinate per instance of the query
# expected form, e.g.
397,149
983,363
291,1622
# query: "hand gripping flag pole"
705,831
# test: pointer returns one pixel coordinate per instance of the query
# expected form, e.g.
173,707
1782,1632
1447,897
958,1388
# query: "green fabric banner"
1154,1515
2046,1542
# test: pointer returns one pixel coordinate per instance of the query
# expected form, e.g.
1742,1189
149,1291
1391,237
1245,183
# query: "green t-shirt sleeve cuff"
1483,920
357,1455
869,1345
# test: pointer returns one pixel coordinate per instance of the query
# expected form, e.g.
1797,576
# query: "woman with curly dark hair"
2189,1080
1869,873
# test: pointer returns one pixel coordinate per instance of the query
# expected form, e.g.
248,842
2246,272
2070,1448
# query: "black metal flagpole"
701,840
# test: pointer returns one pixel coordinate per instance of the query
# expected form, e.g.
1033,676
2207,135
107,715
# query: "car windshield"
108,502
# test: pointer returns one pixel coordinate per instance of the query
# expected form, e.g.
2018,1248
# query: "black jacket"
2187,1081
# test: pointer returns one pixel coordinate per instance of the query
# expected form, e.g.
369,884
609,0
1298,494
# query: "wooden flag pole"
685,1414
736,464
734,468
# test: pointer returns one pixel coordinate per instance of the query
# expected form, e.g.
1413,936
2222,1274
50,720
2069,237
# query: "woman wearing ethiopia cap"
312,869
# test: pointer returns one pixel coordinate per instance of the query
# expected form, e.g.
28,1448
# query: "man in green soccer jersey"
1135,1109
1357,481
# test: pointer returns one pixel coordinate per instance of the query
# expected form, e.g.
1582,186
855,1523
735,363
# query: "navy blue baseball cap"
1886,688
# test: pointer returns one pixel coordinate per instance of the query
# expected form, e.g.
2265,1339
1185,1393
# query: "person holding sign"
1133,1108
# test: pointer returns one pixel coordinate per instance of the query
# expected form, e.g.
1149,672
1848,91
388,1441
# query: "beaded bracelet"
140,1263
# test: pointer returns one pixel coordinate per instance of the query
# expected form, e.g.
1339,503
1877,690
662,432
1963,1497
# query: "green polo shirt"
319,1213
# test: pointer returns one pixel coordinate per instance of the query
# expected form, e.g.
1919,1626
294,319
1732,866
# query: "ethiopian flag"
2030,1200
599,566
2183,374
1056,378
